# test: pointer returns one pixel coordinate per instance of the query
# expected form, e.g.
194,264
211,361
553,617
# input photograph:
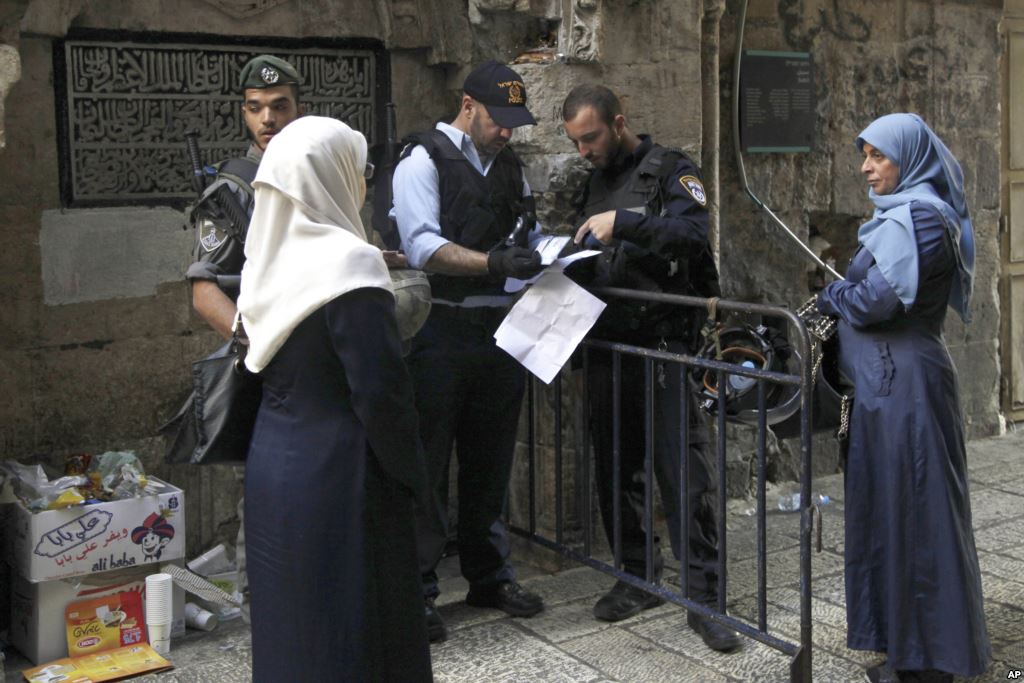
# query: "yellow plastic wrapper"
66,499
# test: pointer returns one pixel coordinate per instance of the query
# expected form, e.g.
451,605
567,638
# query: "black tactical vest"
640,190
477,211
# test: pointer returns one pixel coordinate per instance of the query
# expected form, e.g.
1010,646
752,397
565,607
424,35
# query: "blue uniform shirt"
417,205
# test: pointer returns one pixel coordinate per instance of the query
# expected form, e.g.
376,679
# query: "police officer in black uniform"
459,193
645,207
270,87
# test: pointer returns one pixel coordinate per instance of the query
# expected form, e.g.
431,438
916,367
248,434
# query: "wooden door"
1012,224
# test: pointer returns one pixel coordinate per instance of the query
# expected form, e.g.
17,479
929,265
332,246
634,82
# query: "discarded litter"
791,502
114,475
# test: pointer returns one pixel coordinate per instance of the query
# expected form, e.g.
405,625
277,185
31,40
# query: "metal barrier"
800,653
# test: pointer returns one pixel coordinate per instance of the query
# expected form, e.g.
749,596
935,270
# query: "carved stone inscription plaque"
127,106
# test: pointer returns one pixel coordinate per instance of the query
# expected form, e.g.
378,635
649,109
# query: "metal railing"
799,652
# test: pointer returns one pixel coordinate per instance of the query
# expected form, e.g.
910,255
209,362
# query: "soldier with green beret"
270,90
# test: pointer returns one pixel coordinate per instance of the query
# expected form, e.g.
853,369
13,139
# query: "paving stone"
1000,565
1008,535
566,643
831,587
1009,655
500,652
832,533
566,621
754,661
571,585
1006,476
1005,448
828,625
1004,609
991,506
628,658
742,533
221,671
458,615
782,569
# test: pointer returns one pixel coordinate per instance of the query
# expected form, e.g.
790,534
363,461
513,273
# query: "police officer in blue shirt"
645,207
270,88
459,193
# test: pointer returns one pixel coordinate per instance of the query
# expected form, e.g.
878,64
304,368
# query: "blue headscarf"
929,173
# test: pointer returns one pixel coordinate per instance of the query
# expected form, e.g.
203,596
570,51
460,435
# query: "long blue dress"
328,504
913,588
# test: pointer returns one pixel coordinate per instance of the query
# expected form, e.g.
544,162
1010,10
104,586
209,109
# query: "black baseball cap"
502,91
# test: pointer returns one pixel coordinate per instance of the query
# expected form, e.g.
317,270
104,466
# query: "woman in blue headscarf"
913,588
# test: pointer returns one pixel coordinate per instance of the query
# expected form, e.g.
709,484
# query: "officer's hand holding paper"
514,262
550,320
549,248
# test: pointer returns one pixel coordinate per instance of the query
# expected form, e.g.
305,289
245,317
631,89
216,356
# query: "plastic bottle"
791,501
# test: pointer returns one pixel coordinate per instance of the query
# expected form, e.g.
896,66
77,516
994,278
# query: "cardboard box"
57,544
37,608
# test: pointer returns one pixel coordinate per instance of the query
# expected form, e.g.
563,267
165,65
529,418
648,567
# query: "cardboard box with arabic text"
57,544
38,626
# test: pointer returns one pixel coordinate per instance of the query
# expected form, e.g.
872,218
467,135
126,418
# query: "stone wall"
938,59
89,367
97,331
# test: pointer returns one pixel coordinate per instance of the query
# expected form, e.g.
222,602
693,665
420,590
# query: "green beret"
267,71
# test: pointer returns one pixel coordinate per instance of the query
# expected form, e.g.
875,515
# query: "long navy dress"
328,504
913,588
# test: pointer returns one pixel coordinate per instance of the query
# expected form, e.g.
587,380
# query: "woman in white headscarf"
335,460
913,587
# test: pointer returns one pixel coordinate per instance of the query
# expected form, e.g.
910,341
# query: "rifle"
216,201
192,148
382,191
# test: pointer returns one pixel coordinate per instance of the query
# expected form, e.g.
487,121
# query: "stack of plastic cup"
159,593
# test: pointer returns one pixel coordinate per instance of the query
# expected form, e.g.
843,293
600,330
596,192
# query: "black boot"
624,601
716,636
508,596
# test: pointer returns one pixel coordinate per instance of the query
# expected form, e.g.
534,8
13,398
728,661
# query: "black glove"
514,262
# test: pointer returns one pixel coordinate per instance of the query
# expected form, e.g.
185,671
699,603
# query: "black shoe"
508,596
882,674
436,630
717,637
624,601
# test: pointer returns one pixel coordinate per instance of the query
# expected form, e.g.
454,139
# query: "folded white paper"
548,323
549,248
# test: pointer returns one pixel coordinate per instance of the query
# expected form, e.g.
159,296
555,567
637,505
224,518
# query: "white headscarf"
306,244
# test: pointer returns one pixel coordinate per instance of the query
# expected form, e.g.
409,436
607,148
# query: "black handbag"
832,395
215,425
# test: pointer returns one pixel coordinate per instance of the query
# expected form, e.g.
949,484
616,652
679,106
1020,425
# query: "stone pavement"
565,643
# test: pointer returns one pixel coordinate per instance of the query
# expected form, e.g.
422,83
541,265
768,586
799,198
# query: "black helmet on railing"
760,348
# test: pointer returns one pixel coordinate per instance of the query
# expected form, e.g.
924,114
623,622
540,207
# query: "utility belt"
485,316
645,323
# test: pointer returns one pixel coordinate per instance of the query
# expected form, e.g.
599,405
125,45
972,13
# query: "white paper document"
549,248
548,323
